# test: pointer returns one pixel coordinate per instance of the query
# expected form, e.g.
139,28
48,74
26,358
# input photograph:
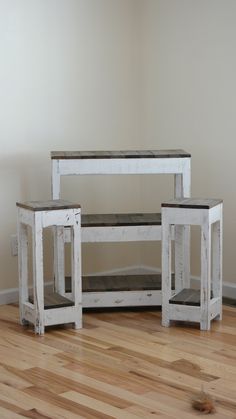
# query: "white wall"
69,75
190,102
116,74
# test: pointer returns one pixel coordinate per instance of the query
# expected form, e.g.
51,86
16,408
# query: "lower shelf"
120,291
113,283
117,220
53,300
187,297
111,291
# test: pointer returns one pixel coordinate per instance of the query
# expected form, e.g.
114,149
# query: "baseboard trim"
228,290
10,296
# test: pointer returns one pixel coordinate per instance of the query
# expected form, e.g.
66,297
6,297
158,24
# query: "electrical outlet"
14,245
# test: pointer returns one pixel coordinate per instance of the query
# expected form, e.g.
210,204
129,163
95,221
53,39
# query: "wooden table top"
125,154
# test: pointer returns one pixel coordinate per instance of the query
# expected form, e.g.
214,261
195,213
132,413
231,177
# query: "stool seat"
184,303
51,205
198,203
188,297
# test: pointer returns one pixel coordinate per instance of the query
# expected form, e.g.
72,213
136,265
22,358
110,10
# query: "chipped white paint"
180,167
28,312
118,234
121,298
63,315
23,265
37,243
184,313
182,232
100,166
210,221
38,220
59,260
217,234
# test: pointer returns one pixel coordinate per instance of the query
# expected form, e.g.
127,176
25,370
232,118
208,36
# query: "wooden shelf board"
119,283
189,297
115,220
53,300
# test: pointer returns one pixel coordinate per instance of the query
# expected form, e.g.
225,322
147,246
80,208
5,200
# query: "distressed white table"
123,227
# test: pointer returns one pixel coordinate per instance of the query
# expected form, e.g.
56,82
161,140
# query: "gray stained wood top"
56,204
125,154
200,203
112,220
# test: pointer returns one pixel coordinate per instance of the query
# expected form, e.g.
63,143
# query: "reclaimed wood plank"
126,154
109,220
51,205
53,300
119,283
200,203
186,296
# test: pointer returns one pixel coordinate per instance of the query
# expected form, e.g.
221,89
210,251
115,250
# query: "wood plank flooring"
122,364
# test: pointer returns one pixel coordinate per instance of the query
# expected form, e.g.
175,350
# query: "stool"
189,304
43,309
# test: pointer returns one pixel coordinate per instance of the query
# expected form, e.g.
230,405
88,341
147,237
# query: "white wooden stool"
189,304
42,309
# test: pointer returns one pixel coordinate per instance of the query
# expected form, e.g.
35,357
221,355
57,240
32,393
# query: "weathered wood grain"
109,220
53,300
187,296
127,154
56,204
200,203
119,282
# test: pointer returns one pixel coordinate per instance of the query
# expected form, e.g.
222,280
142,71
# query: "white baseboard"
228,291
10,296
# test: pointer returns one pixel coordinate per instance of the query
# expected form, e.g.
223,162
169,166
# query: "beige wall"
69,79
116,74
190,101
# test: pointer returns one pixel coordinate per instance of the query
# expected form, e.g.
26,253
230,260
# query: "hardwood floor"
122,364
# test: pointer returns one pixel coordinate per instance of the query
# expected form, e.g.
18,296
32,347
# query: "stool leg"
76,283
205,320
37,240
59,260
182,257
182,235
217,264
166,271
23,268
59,263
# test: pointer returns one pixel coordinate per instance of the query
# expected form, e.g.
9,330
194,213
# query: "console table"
122,227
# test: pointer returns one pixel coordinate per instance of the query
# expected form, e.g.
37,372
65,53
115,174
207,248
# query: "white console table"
123,227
